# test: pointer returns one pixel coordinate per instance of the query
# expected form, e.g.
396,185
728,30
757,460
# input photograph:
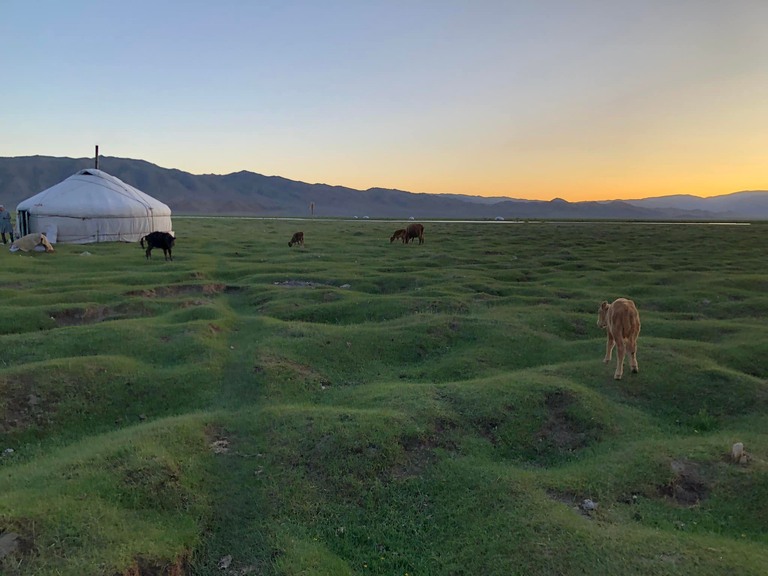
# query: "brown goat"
400,233
621,322
414,231
297,238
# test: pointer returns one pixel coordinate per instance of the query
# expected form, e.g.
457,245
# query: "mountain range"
248,193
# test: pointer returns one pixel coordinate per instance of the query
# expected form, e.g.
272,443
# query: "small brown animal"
297,238
414,231
621,322
400,233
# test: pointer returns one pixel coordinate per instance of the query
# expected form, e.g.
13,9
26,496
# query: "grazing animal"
400,233
297,238
162,240
414,231
31,242
621,322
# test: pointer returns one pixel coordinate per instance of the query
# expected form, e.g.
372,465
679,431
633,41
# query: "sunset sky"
536,99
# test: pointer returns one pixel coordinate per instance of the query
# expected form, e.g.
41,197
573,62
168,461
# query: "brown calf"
621,322
297,238
400,233
414,231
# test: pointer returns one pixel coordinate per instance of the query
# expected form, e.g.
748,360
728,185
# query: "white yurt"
92,206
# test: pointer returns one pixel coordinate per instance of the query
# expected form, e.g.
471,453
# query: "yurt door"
22,221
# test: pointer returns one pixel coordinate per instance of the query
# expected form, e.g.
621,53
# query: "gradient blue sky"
530,99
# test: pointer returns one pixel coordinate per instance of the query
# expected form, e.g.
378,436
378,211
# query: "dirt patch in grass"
193,303
150,483
560,429
182,290
216,439
420,452
22,405
582,506
300,284
151,567
16,543
488,426
580,327
280,369
567,498
419,457
94,314
688,486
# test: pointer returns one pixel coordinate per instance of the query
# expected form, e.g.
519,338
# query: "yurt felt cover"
93,206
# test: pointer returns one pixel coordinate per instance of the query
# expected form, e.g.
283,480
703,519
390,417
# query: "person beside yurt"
5,224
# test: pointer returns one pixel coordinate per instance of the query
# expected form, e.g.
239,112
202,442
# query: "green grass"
360,407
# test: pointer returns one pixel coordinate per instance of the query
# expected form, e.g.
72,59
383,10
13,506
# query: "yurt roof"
93,193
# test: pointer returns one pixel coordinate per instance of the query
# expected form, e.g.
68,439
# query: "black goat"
162,240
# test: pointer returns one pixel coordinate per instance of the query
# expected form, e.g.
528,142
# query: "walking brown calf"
621,322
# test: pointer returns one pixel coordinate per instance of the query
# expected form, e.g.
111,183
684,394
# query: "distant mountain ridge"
248,193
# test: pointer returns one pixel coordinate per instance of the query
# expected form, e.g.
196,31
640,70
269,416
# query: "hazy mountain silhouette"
248,193
750,204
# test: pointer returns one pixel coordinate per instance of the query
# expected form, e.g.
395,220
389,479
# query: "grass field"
360,407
